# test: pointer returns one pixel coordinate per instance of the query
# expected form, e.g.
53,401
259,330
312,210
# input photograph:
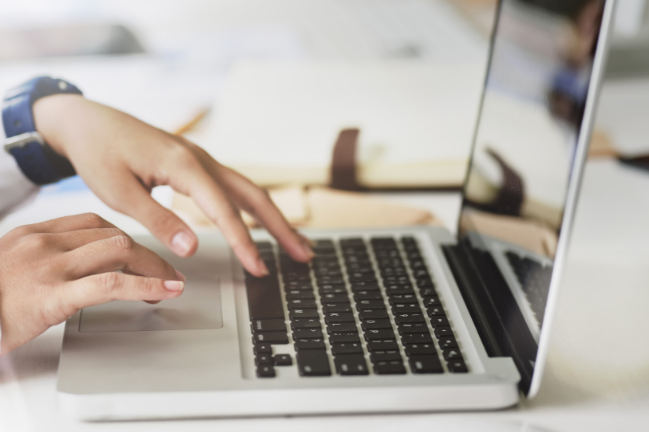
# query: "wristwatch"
35,158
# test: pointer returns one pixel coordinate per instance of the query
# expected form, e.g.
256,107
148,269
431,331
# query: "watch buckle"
22,140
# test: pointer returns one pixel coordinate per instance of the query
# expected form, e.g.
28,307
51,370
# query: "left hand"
122,159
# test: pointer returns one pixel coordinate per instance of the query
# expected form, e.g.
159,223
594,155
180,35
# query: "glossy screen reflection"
533,106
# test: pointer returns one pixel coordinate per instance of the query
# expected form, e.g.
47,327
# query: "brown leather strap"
343,165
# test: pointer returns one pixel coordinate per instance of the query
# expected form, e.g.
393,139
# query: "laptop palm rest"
199,307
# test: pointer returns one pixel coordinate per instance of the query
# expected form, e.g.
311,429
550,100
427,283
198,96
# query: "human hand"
50,270
121,159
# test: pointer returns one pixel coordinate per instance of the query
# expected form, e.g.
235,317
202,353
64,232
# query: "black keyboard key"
298,286
337,290
443,331
330,280
385,356
363,278
313,363
447,342
334,298
424,282
421,364
452,354
379,334
420,349
262,348
303,313
403,299
336,307
377,324
368,295
414,317
339,317
382,345
413,328
264,299
439,321
268,325
344,337
307,333
351,364
365,286
266,371
342,327
301,304
399,290
428,292
405,308
366,314
283,360
414,338
389,368
305,323
333,287
264,359
435,311
370,304
346,348
457,366
300,295
309,344
280,338
432,301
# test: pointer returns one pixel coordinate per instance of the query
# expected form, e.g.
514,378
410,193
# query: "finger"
117,253
134,200
214,202
106,287
71,223
70,240
255,201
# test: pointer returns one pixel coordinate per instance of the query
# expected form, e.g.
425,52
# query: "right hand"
50,270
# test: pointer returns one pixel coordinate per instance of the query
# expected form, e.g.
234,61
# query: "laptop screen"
524,149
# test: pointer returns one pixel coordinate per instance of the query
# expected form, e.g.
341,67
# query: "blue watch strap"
38,161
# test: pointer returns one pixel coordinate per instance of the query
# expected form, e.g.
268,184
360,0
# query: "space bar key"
264,298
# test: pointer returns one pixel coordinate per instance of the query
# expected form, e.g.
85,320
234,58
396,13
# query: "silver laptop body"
389,320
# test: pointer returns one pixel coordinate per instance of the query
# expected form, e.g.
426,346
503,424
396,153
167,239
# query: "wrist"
52,116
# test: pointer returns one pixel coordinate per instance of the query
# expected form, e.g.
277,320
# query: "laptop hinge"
494,327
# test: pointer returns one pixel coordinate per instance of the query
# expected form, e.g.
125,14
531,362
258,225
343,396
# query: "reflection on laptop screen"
530,122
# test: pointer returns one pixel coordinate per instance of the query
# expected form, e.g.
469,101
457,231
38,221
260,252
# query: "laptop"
382,320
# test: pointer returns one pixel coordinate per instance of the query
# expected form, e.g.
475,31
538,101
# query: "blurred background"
240,76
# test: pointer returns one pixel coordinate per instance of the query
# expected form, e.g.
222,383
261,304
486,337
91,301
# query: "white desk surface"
598,371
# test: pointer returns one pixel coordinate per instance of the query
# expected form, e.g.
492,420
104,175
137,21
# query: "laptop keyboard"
534,277
349,309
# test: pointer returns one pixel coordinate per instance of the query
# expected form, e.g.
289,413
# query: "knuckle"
37,241
123,242
183,156
92,220
110,283
22,231
148,286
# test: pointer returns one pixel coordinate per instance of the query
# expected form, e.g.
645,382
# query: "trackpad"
199,307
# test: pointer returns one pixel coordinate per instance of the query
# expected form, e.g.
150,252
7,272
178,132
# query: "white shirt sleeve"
15,189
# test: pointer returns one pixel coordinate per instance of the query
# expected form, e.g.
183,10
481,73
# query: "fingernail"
174,285
180,276
182,243
262,267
